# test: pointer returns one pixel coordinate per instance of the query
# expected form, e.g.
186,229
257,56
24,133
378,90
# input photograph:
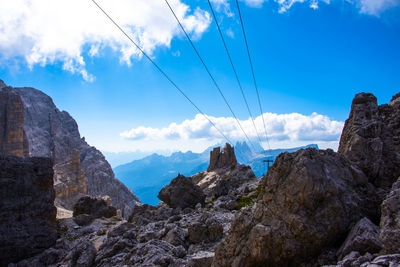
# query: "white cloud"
370,7
61,31
284,130
376,7
222,5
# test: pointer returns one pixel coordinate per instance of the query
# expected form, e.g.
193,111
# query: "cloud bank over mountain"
291,129
68,31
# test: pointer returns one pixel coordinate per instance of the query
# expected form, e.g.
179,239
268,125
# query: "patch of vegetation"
249,199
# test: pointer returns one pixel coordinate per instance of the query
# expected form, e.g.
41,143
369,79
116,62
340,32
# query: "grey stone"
308,201
363,238
97,207
27,212
390,220
182,193
371,139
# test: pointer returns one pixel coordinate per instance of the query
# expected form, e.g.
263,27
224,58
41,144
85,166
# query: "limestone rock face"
222,159
12,138
27,212
390,220
69,178
309,199
54,134
182,193
363,238
371,138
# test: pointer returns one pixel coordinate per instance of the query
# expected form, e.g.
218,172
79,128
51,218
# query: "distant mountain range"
147,176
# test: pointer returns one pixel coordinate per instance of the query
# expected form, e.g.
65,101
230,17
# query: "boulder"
222,159
182,193
390,220
363,238
27,212
308,201
88,208
371,139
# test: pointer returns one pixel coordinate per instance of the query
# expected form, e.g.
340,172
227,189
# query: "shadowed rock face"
363,238
222,159
390,221
87,208
309,199
371,138
27,212
54,134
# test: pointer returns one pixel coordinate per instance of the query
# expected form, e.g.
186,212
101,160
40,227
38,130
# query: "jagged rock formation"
54,134
27,213
222,159
313,208
371,138
182,193
390,220
224,177
308,201
13,139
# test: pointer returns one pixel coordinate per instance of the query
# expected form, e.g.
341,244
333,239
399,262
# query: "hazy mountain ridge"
148,175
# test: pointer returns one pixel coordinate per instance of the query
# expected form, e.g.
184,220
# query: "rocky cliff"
310,199
313,208
27,213
371,138
38,129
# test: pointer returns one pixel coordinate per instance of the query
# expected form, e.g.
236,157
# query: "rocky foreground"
313,208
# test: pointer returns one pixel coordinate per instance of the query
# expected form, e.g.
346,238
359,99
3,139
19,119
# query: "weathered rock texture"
87,208
224,177
363,238
390,220
27,212
69,178
12,136
224,158
309,200
54,134
182,193
371,138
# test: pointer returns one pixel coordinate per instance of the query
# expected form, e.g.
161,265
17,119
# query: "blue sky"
309,63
